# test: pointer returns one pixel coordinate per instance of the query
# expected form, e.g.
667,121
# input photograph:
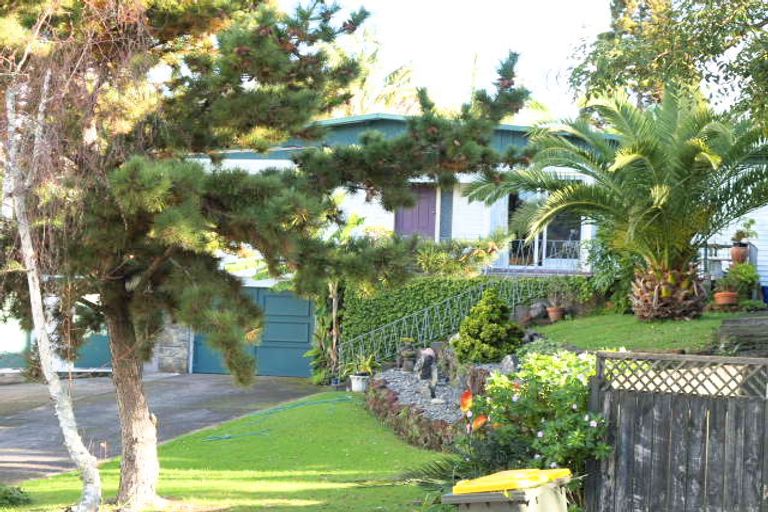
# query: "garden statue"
426,366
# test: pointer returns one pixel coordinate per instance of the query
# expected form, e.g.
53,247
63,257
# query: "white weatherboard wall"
471,220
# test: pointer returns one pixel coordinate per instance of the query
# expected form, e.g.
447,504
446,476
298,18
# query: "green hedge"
363,314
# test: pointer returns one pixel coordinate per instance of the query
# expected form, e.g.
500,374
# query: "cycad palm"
666,180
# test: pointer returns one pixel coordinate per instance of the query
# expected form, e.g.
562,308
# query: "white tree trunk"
15,188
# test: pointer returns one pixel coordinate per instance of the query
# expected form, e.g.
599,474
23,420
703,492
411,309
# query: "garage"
288,329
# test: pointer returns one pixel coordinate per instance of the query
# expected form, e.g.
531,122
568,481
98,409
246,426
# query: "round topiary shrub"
487,334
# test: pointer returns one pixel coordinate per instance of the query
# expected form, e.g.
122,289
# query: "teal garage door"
288,328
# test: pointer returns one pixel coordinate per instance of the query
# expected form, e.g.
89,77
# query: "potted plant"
558,298
408,354
360,371
727,290
740,238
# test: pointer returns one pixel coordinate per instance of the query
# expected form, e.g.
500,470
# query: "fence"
689,434
437,321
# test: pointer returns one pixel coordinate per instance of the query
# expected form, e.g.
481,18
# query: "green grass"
615,331
303,456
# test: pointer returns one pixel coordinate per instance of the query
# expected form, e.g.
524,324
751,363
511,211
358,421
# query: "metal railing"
554,254
435,322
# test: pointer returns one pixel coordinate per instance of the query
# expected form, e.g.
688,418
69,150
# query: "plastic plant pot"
359,383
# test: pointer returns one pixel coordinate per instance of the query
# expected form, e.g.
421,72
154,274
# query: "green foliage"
651,44
13,496
673,175
33,371
745,231
744,277
752,305
362,365
459,257
545,406
669,178
540,346
536,418
612,273
364,313
487,334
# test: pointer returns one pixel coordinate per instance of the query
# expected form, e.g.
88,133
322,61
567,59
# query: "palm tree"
662,182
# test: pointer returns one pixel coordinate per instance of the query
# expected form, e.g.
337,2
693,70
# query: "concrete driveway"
31,444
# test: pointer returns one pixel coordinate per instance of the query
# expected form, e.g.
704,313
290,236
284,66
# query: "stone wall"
172,348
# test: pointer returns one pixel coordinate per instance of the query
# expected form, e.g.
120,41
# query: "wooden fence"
690,433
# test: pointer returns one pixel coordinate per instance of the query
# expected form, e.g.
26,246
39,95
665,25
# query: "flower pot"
359,383
726,298
739,253
555,313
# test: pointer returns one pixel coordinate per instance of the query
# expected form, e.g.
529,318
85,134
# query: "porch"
543,256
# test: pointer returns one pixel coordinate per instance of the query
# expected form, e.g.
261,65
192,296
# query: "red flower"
479,421
466,401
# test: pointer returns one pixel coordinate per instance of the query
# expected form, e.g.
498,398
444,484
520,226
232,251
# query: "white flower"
586,417
575,407
593,424
469,414
539,434
537,456
515,398
553,465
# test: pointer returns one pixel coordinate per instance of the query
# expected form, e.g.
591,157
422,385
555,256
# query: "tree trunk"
333,287
668,294
140,467
14,184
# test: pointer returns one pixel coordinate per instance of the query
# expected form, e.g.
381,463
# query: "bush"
612,274
487,334
537,417
13,496
745,278
545,405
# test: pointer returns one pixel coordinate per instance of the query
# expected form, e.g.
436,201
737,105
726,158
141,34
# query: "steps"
746,336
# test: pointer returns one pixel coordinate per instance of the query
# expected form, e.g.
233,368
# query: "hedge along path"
442,314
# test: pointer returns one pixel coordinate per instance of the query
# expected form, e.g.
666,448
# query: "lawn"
325,453
614,331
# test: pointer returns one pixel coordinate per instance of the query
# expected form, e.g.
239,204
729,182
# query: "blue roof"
347,130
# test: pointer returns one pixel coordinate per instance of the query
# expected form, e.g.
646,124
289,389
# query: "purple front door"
420,219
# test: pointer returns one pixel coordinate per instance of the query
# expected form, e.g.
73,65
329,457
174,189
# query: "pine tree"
141,225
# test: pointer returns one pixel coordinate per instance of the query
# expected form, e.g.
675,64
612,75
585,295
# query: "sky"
440,41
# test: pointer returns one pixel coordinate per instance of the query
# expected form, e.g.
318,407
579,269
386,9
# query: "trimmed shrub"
487,334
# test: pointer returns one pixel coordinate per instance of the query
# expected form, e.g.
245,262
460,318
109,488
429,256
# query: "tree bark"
140,467
333,288
14,184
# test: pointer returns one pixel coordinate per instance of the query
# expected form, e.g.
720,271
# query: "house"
442,213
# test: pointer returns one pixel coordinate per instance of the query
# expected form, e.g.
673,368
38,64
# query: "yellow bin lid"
510,480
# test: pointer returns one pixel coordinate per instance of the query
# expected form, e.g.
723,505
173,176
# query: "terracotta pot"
555,313
726,298
739,254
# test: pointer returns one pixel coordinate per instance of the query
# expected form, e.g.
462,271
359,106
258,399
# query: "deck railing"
553,254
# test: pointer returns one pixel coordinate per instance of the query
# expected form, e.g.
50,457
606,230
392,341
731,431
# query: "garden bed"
397,398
